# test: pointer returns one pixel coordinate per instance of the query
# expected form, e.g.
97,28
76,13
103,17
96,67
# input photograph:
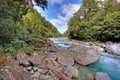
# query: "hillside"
19,23
96,21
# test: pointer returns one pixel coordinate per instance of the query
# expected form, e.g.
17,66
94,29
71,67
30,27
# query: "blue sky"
59,12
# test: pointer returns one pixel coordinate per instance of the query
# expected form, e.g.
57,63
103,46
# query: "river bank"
109,61
63,59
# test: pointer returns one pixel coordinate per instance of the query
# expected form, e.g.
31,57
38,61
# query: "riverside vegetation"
27,52
19,24
96,21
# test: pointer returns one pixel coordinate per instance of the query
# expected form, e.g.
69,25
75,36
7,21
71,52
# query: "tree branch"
57,72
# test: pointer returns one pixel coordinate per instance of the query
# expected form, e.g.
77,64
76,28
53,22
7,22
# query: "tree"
96,21
41,3
16,18
10,12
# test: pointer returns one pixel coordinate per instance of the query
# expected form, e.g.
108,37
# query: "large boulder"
113,48
38,59
10,69
89,76
65,59
84,55
71,72
22,58
102,76
97,48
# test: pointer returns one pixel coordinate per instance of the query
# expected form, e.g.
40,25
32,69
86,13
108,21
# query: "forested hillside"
96,20
19,23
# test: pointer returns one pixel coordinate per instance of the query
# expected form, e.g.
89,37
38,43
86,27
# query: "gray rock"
65,60
102,76
42,71
71,72
22,58
102,45
113,48
98,48
29,68
35,68
54,75
55,63
89,76
45,77
84,55
32,71
38,59
11,70
36,74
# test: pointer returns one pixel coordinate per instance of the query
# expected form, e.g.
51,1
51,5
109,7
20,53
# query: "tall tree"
41,3
96,20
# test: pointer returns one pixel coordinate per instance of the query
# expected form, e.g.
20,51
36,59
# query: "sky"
59,12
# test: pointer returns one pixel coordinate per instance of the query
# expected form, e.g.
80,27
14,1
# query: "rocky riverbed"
62,59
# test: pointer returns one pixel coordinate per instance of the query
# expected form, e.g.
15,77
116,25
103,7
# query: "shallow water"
108,63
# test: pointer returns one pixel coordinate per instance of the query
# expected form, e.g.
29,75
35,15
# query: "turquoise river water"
108,63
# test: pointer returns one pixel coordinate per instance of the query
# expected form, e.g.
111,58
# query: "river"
108,63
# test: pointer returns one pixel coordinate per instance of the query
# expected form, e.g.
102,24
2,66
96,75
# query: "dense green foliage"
37,26
96,21
19,24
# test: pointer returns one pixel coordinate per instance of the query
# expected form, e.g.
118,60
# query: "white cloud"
57,22
118,1
55,1
69,10
61,22
41,11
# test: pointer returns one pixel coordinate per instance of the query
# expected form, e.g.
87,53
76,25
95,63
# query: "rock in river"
65,59
84,55
102,76
113,48
89,76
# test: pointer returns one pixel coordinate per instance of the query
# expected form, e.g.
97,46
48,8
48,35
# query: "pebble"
35,68
28,68
32,71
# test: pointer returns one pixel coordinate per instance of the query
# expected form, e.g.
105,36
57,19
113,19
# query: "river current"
108,63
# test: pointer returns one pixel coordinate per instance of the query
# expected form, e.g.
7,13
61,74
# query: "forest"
19,23
96,20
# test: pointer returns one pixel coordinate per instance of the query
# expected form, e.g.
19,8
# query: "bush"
15,46
25,36
7,30
1,49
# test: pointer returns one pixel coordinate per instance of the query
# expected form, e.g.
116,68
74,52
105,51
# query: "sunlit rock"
22,58
71,72
113,48
102,76
84,55
38,59
89,76
65,60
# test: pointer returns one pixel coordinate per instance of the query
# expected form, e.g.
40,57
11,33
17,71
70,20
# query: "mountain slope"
100,22
16,19
19,24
